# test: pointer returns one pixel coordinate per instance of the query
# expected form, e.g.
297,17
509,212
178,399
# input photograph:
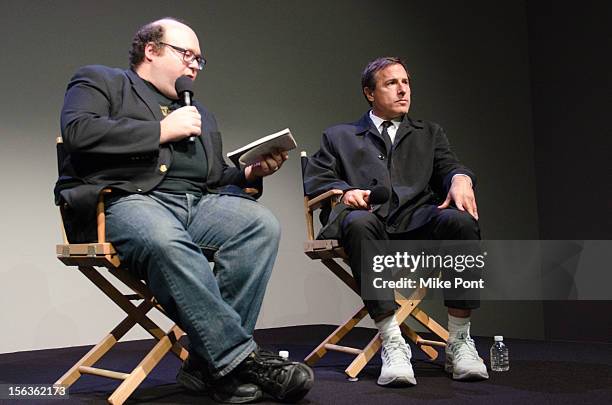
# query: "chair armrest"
310,205
251,191
331,196
100,253
101,216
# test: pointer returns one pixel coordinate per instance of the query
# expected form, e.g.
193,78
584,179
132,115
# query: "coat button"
381,157
163,168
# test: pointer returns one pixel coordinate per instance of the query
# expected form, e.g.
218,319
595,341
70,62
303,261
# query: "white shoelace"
396,352
464,349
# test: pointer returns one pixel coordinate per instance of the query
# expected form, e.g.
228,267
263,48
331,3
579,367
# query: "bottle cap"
498,338
284,354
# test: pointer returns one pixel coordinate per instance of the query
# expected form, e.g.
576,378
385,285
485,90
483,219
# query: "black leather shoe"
192,377
228,389
287,381
232,390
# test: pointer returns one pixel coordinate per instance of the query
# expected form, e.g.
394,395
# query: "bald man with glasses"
173,200
188,56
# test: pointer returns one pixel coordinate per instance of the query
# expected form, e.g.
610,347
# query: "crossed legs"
161,236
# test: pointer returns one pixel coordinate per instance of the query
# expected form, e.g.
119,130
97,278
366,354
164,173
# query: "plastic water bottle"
499,355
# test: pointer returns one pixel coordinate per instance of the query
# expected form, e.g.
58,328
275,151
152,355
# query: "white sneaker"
462,360
396,368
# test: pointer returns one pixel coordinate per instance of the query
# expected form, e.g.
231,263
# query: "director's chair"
330,253
91,259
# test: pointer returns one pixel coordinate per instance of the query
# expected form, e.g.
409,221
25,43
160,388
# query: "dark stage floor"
540,372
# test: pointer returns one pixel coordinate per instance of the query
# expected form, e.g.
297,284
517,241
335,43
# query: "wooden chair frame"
91,259
330,253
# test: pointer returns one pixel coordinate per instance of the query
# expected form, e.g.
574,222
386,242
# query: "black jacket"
110,130
417,169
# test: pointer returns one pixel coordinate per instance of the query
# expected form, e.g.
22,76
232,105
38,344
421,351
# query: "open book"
253,152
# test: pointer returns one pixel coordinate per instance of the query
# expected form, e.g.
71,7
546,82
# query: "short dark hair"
150,32
368,77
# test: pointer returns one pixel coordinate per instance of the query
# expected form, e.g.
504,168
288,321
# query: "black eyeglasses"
188,56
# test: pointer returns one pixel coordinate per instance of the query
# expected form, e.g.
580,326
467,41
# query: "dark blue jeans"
162,236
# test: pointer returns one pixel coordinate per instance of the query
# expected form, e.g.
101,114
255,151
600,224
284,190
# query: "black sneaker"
287,381
192,377
228,389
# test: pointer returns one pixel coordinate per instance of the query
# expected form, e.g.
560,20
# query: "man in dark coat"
412,160
173,198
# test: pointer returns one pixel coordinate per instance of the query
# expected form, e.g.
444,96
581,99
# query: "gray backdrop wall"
272,64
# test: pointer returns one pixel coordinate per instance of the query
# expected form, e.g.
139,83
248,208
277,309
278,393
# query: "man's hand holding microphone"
179,124
186,122
366,199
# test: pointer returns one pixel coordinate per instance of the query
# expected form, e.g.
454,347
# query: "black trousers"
360,225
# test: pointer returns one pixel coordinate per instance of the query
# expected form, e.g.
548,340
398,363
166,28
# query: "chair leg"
342,274
136,315
99,350
403,312
407,307
430,323
88,359
432,326
431,352
335,336
364,357
142,370
115,295
140,288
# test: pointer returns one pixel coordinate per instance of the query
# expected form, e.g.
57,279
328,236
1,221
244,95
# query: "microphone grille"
183,84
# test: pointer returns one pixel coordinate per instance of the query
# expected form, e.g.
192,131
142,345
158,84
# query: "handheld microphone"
184,89
378,195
